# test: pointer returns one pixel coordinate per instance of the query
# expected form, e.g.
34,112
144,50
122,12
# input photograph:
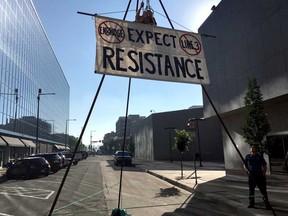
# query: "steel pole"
37,123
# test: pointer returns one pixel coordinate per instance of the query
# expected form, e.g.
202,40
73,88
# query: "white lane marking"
55,182
27,192
3,214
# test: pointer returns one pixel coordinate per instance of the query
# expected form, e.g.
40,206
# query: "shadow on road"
223,197
111,164
167,192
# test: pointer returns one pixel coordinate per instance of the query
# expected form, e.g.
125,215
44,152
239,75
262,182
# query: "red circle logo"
190,44
111,32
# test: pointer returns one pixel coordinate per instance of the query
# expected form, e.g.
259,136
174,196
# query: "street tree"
181,144
72,141
256,124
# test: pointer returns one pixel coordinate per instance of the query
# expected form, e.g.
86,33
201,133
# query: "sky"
72,37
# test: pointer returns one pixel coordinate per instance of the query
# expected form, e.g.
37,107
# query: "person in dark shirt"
256,167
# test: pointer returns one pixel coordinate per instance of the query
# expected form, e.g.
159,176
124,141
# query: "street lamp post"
198,136
91,141
37,124
66,131
16,105
170,144
191,127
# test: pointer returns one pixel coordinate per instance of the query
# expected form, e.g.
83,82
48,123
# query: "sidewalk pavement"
2,172
214,184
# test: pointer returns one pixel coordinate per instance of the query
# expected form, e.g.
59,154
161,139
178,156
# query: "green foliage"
181,140
256,124
72,141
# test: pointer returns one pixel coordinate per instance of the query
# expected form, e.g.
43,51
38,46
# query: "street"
144,194
82,193
92,188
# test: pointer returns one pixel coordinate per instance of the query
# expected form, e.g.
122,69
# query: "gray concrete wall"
152,139
177,119
251,41
143,139
278,117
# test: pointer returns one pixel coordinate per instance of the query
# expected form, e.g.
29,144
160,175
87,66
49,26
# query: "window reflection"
27,63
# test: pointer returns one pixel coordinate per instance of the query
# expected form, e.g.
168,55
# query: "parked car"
54,160
84,154
65,161
78,157
122,157
27,167
68,156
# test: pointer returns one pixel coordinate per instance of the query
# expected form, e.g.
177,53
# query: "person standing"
147,16
256,167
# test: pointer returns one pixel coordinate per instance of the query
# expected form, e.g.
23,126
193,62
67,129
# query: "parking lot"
34,196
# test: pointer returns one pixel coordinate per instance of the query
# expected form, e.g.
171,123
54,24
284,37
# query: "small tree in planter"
181,142
257,125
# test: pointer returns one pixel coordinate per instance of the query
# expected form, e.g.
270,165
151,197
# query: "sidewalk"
2,171
230,190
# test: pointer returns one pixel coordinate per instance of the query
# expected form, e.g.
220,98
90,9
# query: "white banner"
144,51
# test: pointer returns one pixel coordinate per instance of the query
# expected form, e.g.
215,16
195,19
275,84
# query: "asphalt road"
82,193
143,194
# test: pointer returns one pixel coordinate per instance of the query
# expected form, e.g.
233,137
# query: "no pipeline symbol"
111,32
190,44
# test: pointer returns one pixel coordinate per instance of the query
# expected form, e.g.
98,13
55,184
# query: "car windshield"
18,163
68,155
122,153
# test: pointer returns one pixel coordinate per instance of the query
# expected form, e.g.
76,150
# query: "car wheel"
46,174
75,162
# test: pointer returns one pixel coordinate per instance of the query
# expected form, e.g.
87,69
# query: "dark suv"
122,157
28,167
54,160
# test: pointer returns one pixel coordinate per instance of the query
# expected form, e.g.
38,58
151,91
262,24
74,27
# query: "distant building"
108,143
154,136
131,121
27,64
251,41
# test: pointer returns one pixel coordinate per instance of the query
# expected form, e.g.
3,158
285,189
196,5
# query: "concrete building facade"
154,136
34,93
251,40
131,121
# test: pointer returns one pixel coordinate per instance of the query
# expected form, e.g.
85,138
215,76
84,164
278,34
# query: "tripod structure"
118,210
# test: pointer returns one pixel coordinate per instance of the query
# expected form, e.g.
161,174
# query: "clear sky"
72,37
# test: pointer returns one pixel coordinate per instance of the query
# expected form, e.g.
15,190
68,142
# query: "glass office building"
32,83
